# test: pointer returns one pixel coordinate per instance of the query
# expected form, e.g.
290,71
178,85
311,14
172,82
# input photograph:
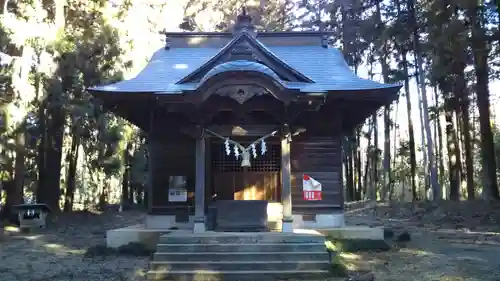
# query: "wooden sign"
311,188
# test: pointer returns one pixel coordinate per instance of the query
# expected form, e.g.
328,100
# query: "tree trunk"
126,188
50,149
42,147
436,189
12,198
375,155
440,140
350,167
453,149
71,175
373,151
383,56
461,92
348,170
52,119
368,171
480,52
18,191
424,143
357,164
411,132
51,191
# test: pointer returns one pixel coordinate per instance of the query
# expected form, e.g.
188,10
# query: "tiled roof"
325,66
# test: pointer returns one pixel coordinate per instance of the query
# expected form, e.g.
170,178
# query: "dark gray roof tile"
325,66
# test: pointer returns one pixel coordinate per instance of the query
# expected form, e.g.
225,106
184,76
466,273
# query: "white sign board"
177,195
311,188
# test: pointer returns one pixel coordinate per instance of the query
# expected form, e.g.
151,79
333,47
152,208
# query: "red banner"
312,195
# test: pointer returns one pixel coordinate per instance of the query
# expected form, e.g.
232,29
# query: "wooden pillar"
148,196
286,184
199,194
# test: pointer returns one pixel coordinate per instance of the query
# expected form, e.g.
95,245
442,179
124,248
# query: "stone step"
242,256
237,275
241,238
239,265
240,247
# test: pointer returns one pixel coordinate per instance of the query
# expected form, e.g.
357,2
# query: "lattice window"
269,162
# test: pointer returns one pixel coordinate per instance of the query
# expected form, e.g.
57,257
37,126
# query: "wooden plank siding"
320,158
172,158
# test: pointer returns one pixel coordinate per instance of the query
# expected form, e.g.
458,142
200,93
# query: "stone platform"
183,255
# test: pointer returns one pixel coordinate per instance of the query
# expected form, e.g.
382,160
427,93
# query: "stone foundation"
274,214
167,222
150,237
319,221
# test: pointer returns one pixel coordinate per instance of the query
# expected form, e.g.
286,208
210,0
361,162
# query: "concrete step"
240,247
239,265
237,275
242,256
240,238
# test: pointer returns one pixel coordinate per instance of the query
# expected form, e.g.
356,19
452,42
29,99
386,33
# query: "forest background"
439,141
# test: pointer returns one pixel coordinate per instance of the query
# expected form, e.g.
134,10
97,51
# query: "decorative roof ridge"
244,24
259,34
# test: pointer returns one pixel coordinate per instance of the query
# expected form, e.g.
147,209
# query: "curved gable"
238,66
245,47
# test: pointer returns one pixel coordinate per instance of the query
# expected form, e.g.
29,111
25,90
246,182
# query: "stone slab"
355,232
134,234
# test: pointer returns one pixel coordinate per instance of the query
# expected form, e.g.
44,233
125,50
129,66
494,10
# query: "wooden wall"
320,158
172,158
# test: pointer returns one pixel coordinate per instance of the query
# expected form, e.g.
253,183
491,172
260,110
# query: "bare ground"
455,242
57,253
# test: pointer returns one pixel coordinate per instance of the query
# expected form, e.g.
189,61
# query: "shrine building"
238,121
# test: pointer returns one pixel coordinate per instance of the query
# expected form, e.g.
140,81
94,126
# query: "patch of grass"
339,266
131,249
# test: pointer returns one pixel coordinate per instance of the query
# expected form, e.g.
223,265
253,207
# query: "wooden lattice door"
261,181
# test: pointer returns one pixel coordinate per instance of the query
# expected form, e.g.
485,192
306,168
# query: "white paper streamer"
236,151
228,148
254,151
